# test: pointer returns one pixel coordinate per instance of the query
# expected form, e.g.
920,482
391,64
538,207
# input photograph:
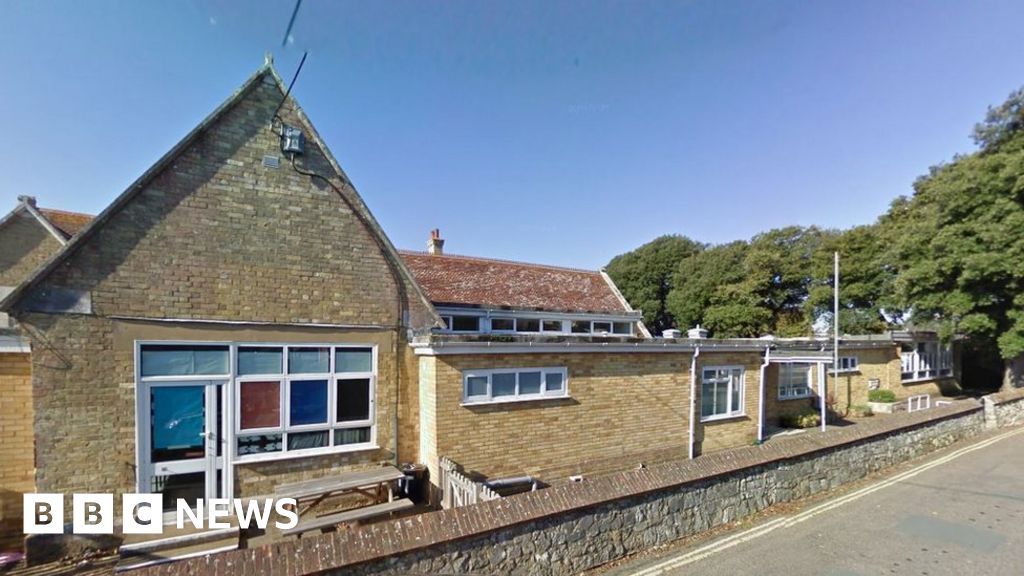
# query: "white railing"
458,489
923,366
919,402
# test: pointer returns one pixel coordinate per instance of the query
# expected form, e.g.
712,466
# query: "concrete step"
143,553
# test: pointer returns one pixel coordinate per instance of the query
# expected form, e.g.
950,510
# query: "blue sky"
554,132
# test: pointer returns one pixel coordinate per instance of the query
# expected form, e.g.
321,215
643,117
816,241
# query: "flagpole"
835,329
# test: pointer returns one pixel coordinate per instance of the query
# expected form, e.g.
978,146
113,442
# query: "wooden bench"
332,520
374,484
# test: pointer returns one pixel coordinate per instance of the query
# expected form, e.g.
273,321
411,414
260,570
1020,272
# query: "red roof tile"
67,222
468,281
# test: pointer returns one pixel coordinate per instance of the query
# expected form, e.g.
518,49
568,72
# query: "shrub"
805,419
881,396
861,410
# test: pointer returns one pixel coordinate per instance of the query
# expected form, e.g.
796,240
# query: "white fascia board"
455,348
542,315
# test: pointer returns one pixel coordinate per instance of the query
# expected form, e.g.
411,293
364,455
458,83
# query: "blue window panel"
177,421
308,402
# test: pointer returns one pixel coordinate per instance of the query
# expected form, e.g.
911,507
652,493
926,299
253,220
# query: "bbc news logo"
144,513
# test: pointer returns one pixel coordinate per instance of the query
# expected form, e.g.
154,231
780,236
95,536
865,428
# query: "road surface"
961,512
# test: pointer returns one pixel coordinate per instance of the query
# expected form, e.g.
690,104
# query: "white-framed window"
302,398
848,364
514,384
288,399
721,392
503,324
794,380
457,323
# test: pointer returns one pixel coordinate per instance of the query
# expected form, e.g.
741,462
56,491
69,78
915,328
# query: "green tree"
645,276
703,280
864,277
958,243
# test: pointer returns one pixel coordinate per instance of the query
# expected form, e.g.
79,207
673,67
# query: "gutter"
693,398
442,348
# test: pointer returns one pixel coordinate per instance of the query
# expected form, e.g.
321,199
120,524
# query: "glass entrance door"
183,441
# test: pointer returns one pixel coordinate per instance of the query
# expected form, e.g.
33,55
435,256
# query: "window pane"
260,405
184,360
351,436
528,325
476,386
580,327
308,360
707,399
307,402
552,325
353,402
623,328
259,444
503,384
465,323
553,382
353,360
177,423
258,360
605,327
303,440
502,324
737,389
529,382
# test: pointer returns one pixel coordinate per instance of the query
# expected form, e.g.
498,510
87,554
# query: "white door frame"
213,434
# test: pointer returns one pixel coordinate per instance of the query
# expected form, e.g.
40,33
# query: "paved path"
959,513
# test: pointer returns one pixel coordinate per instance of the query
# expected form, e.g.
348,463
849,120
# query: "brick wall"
573,527
732,432
24,246
215,235
882,364
618,404
16,458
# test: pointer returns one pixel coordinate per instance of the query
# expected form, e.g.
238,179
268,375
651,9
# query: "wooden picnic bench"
332,520
374,484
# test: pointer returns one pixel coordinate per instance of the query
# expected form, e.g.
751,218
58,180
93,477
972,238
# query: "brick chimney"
436,244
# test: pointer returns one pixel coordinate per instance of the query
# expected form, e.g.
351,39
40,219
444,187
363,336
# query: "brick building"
237,319
29,236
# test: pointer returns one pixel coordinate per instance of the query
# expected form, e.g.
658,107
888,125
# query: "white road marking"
787,521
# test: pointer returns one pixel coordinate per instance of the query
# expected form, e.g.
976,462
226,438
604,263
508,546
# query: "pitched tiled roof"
67,222
468,281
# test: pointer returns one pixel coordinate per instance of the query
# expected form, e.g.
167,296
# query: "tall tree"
645,276
865,279
959,241
703,281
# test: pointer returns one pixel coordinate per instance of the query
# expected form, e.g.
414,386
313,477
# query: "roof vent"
697,333
293,141
671,333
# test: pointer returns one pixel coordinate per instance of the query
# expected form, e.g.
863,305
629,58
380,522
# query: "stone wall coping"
1005,396
355,545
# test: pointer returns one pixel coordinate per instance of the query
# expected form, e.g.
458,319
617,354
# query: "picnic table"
374,483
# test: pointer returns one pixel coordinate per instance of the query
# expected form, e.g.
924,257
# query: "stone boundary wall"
572,527
1004,408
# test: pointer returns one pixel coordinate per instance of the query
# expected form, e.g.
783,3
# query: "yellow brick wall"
16,451
24,246
618,404
732,432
